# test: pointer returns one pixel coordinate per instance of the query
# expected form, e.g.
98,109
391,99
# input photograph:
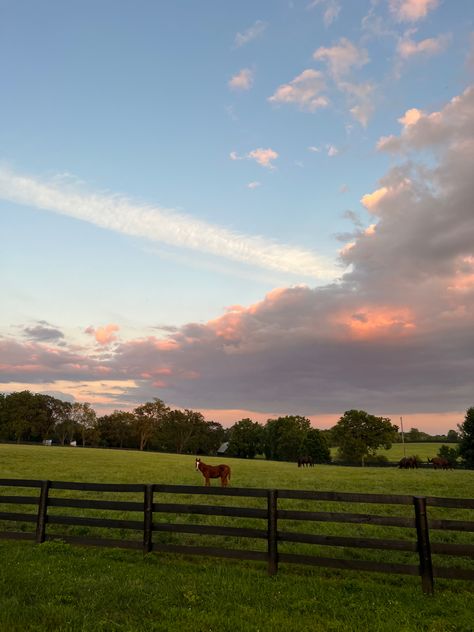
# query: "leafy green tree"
414,435
26,416
452,436
84,418
359,434
466,444
450,454
20,408
284,437
148,418
117,429
180,431
316,446
3,417
64,427
210,437
245,439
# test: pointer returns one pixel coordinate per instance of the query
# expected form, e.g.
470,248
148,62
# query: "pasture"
55,586
424,450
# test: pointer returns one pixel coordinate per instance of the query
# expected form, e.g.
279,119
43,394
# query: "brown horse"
214,471
439,463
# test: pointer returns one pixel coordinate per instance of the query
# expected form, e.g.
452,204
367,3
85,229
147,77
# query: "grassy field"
59,587
422,450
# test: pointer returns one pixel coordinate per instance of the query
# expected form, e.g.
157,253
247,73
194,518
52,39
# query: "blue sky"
168,167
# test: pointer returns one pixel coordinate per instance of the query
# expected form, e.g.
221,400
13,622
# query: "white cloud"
243,80
361,100
411,10
250,34
332,150
167,226
304,91
331,8
408,48
342,58
254,185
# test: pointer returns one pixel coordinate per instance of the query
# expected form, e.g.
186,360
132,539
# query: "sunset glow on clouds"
412,10
247,285
104,335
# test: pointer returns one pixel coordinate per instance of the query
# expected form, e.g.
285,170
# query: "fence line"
420,523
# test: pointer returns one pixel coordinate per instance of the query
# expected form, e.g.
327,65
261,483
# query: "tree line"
358,435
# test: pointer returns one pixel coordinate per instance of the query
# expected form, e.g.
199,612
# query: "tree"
180,431
450,454
148,417
466,444
84,418
452,436
117,429
316,446
245,439
359,434
284,437
64,427
21,412
414,435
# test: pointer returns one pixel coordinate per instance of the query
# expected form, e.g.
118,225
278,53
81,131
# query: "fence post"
42,512
424,548
147,519
272,516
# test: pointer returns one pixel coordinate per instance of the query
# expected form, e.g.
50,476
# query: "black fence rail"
274,524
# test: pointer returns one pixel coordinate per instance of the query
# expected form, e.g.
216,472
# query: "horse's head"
198,461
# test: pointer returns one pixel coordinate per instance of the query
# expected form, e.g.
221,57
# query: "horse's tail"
229,474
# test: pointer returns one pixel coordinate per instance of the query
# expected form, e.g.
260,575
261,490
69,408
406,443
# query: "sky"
249,209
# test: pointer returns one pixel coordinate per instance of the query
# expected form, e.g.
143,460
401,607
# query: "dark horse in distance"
214,471
408,463
305,460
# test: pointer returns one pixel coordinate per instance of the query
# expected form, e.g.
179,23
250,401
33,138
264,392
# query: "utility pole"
403,437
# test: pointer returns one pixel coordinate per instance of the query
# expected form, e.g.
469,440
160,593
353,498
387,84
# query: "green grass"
55,586
422,450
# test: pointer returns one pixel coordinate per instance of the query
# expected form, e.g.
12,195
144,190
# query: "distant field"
60,587
423,450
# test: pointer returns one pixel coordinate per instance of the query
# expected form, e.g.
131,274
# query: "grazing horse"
440,464
305,460
408,462
214,471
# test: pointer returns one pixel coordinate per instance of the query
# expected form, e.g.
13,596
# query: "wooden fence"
152,509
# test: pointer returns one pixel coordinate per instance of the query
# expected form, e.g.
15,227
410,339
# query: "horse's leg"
208,482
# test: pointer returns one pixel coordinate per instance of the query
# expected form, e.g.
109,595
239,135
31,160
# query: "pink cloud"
264,157
305,91
103,335
411,10
407,47
243,80
342,58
